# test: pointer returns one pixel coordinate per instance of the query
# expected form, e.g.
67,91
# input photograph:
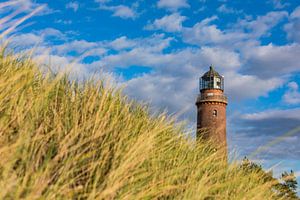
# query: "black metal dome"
211,73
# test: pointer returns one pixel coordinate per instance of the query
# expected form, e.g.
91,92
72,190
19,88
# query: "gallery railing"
212,97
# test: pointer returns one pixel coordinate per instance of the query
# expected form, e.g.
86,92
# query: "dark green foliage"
288,185
285,187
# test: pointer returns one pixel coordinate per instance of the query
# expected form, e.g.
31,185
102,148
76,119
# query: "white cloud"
228,10
262,24
73,5
202,33
296,13
292,96
59,63
244,32
263,61
293,86
121,11
172,4
154,43
278,4
165,92
78,46
41,44
293,27
149,52
102,1
66,22
141,56
57,57
51,32
26,40
272,61
252,86
273,114
74,68
122,43
36,39
168,23
200,10
223,58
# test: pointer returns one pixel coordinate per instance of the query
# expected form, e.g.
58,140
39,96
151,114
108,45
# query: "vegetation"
64,140
285,187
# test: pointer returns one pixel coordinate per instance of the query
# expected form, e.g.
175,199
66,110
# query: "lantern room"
211,80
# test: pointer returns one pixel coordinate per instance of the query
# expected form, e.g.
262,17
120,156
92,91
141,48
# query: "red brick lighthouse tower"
211,108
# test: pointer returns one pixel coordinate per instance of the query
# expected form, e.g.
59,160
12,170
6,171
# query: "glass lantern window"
212,83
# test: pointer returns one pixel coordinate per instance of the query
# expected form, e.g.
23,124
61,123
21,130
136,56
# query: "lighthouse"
211,108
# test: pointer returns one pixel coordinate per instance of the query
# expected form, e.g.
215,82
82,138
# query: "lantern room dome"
211,73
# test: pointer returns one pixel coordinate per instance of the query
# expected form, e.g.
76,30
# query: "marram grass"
64,140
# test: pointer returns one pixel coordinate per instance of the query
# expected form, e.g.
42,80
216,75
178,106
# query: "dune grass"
64,140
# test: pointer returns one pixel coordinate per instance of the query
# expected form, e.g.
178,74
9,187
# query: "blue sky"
158,49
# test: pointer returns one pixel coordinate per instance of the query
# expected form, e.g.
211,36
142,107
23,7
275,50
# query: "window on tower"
215,113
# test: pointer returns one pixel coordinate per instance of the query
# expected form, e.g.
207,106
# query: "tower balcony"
213,97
